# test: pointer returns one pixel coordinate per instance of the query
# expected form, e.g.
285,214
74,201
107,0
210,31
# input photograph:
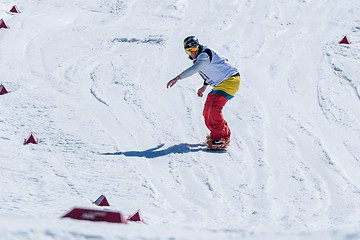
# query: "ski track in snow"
88,78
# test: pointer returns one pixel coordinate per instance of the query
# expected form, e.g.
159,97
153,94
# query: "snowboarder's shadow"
156,152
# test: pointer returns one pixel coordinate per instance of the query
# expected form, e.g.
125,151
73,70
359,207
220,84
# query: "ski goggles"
191,50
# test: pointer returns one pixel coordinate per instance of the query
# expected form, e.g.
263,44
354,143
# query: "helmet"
191,41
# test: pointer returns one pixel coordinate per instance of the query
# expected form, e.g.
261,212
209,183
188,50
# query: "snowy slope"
89,79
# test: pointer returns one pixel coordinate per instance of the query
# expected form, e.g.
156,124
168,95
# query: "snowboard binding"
217,144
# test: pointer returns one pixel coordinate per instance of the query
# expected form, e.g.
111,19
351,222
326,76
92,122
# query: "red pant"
213,116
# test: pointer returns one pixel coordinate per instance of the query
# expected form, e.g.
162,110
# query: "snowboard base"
216,149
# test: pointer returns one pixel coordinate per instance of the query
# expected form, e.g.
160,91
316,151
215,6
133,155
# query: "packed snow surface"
88,79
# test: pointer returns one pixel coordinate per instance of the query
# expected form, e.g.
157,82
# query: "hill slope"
89,79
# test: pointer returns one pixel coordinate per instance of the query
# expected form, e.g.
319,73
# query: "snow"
88,78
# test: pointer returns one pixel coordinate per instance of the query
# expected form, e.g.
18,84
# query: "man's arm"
201,61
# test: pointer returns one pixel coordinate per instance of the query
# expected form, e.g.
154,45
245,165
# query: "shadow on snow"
156,152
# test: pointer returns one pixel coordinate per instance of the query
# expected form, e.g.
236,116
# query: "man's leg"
218,125
206,110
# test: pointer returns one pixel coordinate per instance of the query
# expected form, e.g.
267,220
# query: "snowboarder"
225,80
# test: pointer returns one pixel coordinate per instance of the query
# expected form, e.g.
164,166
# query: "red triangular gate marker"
3,90
136,217
344,41
96,215
31,139
14,9
101,201
2,24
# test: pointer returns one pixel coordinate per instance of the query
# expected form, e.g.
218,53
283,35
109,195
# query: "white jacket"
212,67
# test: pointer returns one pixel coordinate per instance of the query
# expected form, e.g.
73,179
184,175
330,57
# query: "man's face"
192,52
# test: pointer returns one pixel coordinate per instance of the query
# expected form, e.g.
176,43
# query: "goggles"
191,50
